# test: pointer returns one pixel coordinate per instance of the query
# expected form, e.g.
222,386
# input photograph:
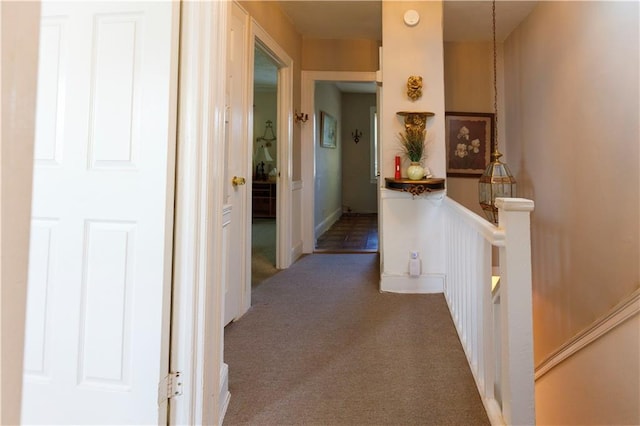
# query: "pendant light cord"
495,76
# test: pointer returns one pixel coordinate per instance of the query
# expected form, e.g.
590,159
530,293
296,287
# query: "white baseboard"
424,284
225,396
296,252
620,313
323,226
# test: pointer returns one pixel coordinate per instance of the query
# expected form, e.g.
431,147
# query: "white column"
408,224
516,313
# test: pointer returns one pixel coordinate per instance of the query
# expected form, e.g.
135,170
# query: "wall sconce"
356,136
301,117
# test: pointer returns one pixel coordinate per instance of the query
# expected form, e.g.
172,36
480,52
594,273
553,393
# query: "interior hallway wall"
468,87
340,55
273,20
359,192
573,126
328,184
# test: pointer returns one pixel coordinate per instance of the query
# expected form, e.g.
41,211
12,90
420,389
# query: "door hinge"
170,386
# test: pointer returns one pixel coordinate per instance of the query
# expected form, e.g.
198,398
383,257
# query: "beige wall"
468,87
340,55
358,192
271,18
20,32
571,76
598,385
328,184
573,132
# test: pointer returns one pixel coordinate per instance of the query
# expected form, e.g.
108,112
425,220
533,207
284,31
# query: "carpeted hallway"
322,346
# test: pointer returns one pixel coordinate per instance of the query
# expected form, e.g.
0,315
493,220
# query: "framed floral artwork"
328,130
469,142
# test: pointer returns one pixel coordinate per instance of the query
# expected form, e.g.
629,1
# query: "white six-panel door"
100,260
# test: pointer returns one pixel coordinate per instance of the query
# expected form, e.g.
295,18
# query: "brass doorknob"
238,181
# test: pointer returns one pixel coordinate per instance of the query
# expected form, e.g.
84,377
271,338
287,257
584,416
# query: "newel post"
518,398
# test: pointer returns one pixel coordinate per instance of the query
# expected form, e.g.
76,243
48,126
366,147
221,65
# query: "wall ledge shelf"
415,187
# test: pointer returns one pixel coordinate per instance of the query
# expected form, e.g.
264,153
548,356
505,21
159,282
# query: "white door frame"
198,298
284,135
308,152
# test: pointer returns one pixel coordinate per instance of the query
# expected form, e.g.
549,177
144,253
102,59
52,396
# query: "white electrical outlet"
415,266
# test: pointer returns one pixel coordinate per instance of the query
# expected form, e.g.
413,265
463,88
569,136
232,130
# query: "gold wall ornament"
415,121
414,87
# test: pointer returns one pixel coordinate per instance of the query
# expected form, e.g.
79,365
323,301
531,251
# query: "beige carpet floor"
322,346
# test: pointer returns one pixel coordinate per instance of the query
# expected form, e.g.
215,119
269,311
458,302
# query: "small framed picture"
469,143
328,130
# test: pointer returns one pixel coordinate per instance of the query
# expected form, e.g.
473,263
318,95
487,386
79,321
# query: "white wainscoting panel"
296,220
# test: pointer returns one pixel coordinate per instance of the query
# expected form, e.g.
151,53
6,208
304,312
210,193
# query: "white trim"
424,284
323,226
488,230
626,309
225,396
296,251
374,167
284,134
198,301
308,144
492,407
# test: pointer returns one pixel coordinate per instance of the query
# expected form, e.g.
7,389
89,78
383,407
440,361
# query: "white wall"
20,37
411,224
412,51
359,193
328,184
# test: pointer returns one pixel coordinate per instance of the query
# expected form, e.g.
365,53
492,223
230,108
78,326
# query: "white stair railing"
495,326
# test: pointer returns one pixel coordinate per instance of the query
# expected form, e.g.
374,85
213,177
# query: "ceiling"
463,20
345,19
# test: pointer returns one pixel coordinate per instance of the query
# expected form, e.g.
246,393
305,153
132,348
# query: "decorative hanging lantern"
497,180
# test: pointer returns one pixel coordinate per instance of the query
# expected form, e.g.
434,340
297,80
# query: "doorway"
335,192
345,194
265,167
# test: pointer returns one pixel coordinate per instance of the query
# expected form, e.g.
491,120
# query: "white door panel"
236,234
97,336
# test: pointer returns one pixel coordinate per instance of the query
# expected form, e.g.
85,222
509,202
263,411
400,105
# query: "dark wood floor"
352,233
